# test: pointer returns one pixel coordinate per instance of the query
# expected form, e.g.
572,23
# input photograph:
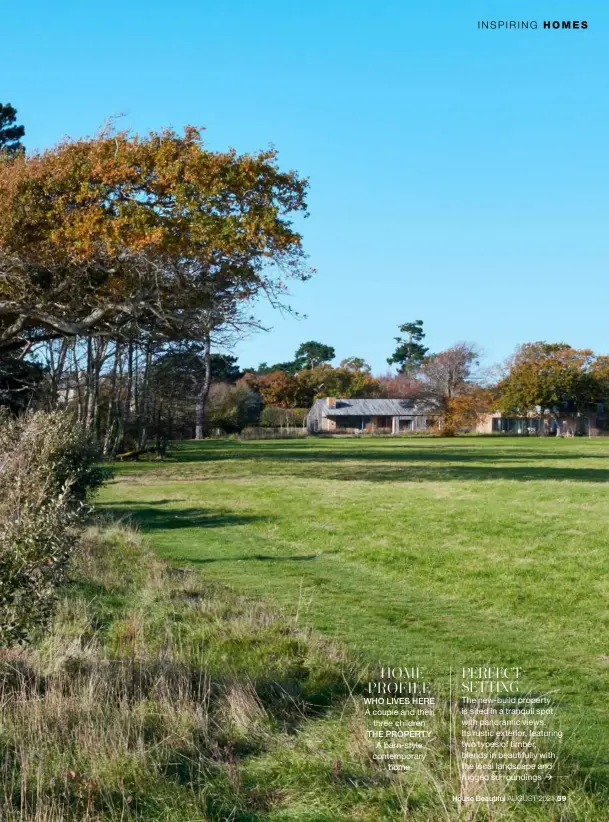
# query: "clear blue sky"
457,176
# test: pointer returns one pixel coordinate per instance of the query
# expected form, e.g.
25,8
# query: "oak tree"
543,376
101,235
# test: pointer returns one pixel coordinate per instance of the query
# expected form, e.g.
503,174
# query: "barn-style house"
349,416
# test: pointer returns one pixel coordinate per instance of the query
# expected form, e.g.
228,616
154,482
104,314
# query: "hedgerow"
48,472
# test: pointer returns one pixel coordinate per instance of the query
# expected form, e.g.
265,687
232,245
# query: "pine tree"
10,134
409,353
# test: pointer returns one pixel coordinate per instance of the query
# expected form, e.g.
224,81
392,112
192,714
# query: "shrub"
47,472
231,407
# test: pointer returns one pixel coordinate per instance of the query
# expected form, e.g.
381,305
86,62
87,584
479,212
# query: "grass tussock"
158,695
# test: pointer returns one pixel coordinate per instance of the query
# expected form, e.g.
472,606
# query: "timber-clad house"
349,416
566,421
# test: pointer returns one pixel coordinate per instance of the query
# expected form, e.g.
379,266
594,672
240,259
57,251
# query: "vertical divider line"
450,722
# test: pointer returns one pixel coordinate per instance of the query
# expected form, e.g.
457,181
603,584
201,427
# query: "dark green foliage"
311,354
409,353
231,407
20,380
10,133
224,368
290,367
308,355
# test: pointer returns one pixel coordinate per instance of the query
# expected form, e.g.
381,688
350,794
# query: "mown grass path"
420,551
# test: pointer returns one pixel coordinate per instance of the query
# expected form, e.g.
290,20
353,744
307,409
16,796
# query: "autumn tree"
448,373
403,385
278,389
599,370
446,376
410,351
326,381
102,236
95,234
10,133
299,390
543,375
463,411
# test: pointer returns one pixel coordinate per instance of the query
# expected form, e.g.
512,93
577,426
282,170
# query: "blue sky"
457,176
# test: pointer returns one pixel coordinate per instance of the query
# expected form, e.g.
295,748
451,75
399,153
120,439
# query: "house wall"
565,424
485,423
318,421
384,422
315,420
418,422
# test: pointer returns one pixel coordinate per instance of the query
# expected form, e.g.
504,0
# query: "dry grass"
160,696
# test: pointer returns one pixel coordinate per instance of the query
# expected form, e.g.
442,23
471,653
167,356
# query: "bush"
231,407
47,472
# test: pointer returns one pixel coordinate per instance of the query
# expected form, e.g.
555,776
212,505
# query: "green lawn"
427,551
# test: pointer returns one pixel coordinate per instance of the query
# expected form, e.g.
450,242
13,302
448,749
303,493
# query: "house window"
351,421
405,425
515,425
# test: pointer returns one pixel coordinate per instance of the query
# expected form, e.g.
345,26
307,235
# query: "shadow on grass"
152,516
467,473
250,557
437,450
401,461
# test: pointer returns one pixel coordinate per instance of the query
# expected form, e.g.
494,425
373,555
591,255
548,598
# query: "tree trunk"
202,391
144,398
111,419
56,359
86,415
129,394
96,352
81,399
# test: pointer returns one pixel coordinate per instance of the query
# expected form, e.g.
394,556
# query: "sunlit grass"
439,552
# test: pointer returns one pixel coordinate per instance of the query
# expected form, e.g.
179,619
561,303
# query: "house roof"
384,408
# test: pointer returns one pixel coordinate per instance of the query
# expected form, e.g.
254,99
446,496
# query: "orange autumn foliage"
98,232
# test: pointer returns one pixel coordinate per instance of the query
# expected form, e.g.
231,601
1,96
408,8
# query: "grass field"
427,551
